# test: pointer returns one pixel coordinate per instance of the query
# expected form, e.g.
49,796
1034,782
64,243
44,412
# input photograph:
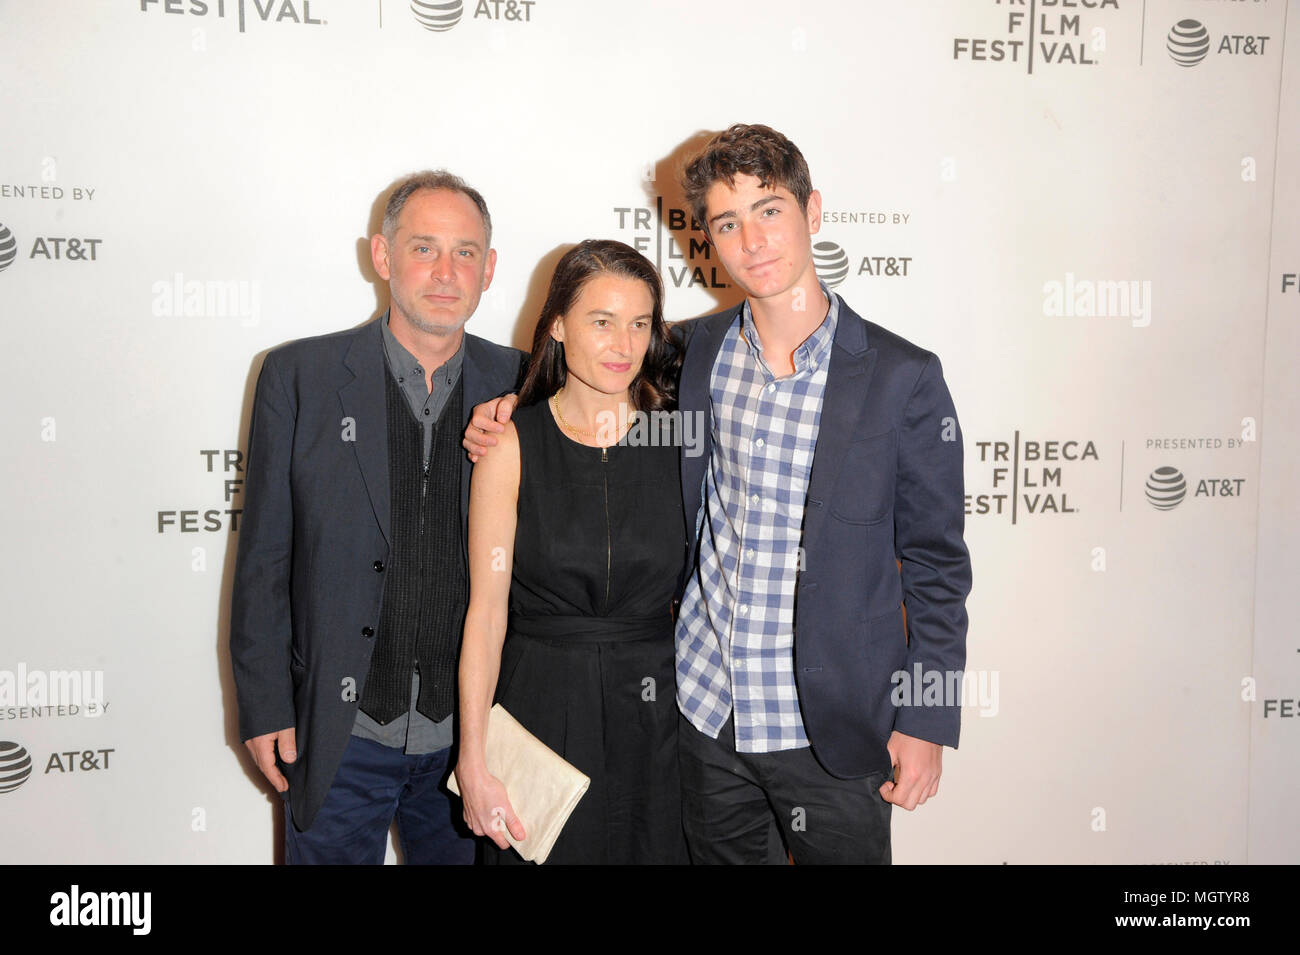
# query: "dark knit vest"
426,589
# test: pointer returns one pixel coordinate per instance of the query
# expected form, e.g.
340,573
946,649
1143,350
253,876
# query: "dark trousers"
751,808
374,784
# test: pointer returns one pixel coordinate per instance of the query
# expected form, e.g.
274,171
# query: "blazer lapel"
693,399
363,401
847,381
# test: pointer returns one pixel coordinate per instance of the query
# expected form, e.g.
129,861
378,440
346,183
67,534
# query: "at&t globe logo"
438,16
8,247
1166,488
15,766
831,263
1188,42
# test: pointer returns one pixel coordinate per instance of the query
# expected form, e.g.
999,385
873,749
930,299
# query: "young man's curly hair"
758,151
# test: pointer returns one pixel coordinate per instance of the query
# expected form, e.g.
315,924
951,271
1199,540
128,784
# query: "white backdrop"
1097,239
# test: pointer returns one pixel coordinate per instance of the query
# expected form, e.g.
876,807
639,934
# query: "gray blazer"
314,540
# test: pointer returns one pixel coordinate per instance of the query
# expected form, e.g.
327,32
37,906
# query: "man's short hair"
432,179
758,151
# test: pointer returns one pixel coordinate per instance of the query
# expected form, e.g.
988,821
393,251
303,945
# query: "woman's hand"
487,807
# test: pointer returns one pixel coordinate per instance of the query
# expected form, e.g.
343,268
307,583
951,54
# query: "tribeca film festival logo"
76,907
245,11
207,298
1280,707
1188,43
26,694
674,242
213,518
1030,477
1099,298
1044,32
833,265
439,16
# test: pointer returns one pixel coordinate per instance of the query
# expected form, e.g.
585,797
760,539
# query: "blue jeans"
374,783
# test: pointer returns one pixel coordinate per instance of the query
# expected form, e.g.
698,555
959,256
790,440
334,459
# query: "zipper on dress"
609,535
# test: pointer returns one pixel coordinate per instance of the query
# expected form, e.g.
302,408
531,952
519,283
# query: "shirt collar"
404,364
815,348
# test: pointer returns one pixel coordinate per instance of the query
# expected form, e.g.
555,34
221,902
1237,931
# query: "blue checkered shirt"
735,630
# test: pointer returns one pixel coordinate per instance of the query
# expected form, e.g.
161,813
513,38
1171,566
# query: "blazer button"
379,566
367,632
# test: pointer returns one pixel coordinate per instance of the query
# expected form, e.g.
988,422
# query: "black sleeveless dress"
587,665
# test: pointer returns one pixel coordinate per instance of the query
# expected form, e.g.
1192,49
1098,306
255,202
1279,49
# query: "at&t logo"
833,265
1166,487
15,766
439,16
1188,43
8,247
48,247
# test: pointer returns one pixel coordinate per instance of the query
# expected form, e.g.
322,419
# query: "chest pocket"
801,460
864,491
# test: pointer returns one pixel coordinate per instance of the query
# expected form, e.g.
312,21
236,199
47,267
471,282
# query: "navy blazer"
314,540
886,487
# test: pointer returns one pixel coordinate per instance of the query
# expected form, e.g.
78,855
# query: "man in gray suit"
351,581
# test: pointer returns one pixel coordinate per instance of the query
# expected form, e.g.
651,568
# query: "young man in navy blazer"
829,497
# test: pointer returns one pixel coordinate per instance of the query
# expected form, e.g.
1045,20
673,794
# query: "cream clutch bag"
543,787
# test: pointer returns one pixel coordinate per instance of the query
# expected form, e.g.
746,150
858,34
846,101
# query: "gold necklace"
555,403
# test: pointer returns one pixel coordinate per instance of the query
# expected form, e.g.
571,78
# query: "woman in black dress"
576,539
